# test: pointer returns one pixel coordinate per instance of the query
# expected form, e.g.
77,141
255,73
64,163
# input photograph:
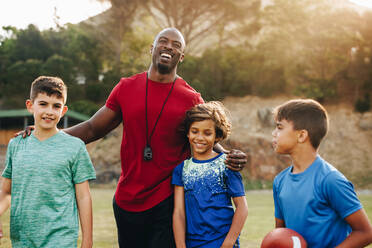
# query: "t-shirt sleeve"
82,168
199,99
340,194
177,175
112,101
234,183
278,210
7,173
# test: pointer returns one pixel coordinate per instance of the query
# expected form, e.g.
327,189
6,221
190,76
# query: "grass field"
260,218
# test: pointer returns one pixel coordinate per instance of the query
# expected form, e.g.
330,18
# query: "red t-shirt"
144,184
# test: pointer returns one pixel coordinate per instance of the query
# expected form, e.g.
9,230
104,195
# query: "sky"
365,3
21,13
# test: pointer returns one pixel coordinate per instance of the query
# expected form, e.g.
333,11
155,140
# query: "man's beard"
163,69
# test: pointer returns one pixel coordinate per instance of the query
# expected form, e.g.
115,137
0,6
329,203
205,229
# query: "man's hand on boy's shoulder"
236,160
26,132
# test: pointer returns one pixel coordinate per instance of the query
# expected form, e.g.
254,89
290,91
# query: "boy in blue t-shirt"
203,214
46,177
311,196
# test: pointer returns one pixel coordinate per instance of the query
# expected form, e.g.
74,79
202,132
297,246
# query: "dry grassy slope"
347,147
105,155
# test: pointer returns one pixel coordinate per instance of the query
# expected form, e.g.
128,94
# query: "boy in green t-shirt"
46,177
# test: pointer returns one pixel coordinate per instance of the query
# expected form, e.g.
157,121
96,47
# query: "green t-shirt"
44,173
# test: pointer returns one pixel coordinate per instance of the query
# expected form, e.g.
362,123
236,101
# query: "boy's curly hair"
214,111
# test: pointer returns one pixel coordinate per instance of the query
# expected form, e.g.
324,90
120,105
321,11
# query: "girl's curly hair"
214,111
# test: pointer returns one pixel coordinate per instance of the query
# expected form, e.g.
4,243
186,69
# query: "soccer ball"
283,238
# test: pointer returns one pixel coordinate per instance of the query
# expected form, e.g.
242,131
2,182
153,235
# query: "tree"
68,52
81,47
56,65
231,71
201,21
360,67
312,39
30,43
18,82
113,26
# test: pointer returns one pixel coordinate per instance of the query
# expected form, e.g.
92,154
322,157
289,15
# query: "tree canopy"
309,48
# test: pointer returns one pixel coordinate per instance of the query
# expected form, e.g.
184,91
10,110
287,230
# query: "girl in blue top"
203,213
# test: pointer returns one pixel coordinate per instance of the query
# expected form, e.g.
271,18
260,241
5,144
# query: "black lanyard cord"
148,138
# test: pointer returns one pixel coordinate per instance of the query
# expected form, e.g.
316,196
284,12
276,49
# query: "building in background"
13,121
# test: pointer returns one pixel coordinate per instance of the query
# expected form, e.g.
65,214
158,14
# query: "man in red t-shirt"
151,106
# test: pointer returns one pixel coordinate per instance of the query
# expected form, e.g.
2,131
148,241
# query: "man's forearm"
100,124
83,131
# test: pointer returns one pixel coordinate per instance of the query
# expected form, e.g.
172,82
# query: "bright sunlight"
42,13
365,3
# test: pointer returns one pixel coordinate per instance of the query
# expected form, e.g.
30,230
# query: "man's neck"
154,75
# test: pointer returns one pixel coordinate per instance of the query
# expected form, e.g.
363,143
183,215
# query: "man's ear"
64,110
303,135
29,105
182,57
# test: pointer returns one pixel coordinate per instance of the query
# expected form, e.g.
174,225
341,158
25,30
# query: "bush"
95,92
232,71
318,89
363,104
84,107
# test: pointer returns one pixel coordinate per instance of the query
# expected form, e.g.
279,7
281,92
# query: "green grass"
260,218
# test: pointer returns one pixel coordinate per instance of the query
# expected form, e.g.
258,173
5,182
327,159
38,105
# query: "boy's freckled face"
47,111
202,137
284,137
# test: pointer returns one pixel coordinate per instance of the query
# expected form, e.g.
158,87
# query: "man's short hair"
305,114
50,86
214,111
173,29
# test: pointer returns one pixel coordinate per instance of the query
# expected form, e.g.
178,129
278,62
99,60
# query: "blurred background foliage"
307,48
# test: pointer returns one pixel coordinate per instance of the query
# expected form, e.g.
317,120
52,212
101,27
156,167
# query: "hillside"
347,146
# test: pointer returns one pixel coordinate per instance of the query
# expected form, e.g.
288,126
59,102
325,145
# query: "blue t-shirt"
315,203
208,187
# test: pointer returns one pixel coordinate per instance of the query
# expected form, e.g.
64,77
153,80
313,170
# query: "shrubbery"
232,71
